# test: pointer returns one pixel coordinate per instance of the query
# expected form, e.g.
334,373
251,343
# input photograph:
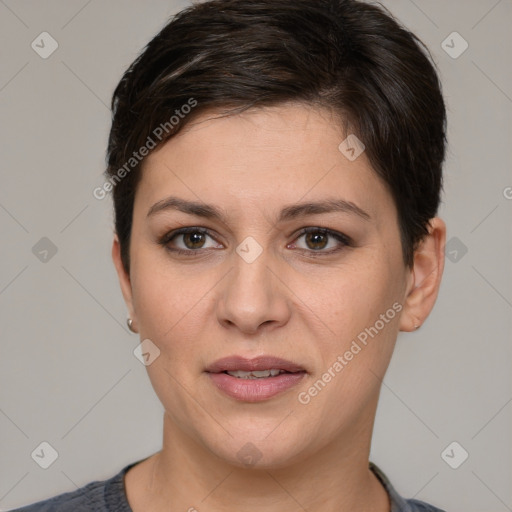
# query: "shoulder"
421,506
398,503
99,496
89,497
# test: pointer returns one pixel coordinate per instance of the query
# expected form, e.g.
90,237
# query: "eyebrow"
287,213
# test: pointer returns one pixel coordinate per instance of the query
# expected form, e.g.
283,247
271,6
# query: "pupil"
196,239
316,237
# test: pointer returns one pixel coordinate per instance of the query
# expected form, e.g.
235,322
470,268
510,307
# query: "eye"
192,240
317,239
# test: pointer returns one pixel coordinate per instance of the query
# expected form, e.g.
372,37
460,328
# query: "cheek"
353,297
361,307
168,297
171,313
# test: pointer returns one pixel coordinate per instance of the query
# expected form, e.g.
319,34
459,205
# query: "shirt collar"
398,504
116,487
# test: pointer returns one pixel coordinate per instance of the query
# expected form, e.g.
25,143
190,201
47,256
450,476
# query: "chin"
249,449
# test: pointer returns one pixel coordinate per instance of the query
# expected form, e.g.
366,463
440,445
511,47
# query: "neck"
185,476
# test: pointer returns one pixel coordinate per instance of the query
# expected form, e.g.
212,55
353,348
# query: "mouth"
257,374
254,380
259,367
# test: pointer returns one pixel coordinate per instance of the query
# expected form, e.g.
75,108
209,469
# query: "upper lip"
234,363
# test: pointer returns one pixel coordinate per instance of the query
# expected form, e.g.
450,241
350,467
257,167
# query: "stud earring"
129,322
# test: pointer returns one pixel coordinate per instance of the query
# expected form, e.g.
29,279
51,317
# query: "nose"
253,296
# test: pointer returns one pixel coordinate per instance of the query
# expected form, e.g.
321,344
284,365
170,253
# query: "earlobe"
426,277
124,279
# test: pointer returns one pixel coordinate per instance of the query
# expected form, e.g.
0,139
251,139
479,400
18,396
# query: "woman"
276,169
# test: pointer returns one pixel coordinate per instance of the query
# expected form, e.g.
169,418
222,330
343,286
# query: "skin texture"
294,301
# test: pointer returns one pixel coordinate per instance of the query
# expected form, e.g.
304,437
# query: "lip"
233,363
254,390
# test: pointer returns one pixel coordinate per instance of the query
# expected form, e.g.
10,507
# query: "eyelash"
344,240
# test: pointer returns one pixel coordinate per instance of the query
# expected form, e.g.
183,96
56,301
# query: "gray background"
68,374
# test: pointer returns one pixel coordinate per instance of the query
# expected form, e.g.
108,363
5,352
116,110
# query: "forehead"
262,157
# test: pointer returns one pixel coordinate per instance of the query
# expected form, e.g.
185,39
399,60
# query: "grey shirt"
110,496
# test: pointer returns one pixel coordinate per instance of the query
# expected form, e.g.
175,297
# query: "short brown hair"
346,55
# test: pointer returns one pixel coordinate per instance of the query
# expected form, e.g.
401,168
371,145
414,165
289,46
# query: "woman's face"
250,283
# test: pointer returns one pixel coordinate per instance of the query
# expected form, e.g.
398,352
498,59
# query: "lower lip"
255,390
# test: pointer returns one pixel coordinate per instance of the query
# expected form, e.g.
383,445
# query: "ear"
425,277
124,279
